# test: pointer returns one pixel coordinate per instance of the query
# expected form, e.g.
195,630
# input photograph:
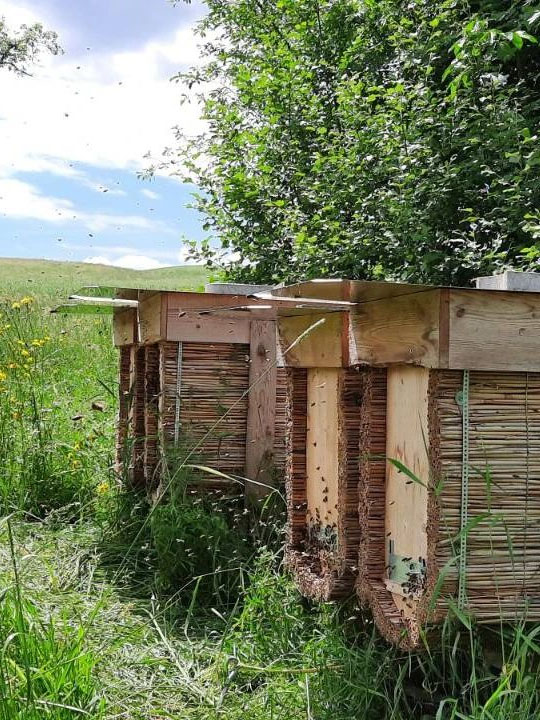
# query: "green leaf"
461,616
406,471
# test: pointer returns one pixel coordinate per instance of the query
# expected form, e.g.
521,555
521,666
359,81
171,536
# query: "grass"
108,613
51,279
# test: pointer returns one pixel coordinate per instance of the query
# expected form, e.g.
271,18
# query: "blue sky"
74,135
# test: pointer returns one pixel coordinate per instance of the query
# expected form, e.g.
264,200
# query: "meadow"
112,610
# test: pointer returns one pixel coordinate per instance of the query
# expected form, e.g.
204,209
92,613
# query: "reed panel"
498,565
152,392
138,417
124,404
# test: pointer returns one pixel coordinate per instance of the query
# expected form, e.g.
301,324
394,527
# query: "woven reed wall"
138,413
322,557
152,391
280,430
214,380
213,384
502,559
124,404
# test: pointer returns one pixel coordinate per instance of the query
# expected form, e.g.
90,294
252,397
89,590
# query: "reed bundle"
488,544
124,404
322,480
177,396
137,416
151,414
280,431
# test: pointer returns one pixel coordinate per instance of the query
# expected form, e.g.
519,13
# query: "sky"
76,134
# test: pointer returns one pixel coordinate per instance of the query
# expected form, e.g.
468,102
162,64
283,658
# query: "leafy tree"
20,49
368,138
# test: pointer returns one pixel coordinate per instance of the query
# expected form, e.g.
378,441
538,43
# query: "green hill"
55,280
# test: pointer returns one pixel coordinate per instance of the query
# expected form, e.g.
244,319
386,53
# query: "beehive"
200,382
450,541
413,508
205,389
450,518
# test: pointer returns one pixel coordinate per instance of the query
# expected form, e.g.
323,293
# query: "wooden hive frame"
428,542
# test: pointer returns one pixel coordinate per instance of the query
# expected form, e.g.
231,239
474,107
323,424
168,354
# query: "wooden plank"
493,330
406,440
261,408
193,327
323,289
370,290
204,302
150,317
125,327
322,445
322,347
404,329
444,328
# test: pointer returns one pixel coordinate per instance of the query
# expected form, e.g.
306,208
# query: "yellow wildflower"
16,415
38,343
3,376
12,365
102,488
25,353
15,305
27,300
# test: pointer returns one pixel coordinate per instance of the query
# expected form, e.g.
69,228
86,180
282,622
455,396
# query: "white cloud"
105,110
17,14
132,262
19,199
150,194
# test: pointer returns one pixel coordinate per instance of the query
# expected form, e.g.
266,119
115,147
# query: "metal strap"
462,581
178,395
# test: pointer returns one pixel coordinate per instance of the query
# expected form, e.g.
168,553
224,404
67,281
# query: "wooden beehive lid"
435,327
348,290
454,328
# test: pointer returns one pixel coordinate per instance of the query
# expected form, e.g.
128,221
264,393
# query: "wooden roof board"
455,328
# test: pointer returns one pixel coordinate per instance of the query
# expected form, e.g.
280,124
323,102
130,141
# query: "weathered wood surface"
322,445
125,327
494,330
407,434
193,327
321,347
449,328
403,329
261,418
152,317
